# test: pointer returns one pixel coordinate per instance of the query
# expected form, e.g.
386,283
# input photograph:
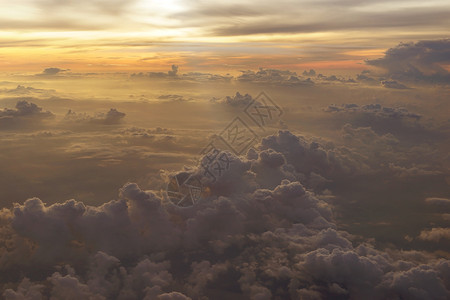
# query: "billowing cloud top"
421,61
251,234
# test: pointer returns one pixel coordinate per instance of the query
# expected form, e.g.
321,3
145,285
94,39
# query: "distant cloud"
21,90
52,71
173,74
396,120
311,72
172,97
237,100
273,76
112,117
435,234
174,71
440,202
25,114
392,84
421,61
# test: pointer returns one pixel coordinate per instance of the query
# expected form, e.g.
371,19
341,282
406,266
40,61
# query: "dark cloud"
311,72
392,84
383,120
237,100
21,90
258,233
435,234
420,61
334,78
343,20
52,71
112,117
440,202
26,114
174,71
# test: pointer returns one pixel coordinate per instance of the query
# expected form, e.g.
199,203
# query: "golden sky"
140,35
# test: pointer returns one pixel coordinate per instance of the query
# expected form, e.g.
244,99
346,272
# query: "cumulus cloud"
420,61
172,73
311,72
398,121
25,114
250,235
309,157
273,76
435,234
21,90
112,117
237,100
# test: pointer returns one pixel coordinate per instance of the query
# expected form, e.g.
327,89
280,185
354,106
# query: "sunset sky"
122,35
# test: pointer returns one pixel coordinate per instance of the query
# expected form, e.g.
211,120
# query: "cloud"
257,232
435,234
199,76
21,90
237,100
174,71
112,117
309,157
440,202
26,114
398,121
171,97
273,76
392,84
422,61
52,71
190,76
311,72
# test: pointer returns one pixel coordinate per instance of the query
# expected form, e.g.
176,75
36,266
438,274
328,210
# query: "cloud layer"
253,235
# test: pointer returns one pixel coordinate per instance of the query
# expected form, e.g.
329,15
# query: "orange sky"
139,35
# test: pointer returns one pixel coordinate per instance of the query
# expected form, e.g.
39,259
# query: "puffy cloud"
273,76
311,72
420,282
174,71
420,61
112,117
249,235
237,100
398,121
333,78
25,114
21,90
25,290
435,234
311,157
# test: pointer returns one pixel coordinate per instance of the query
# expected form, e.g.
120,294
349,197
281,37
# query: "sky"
182,150
206,35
